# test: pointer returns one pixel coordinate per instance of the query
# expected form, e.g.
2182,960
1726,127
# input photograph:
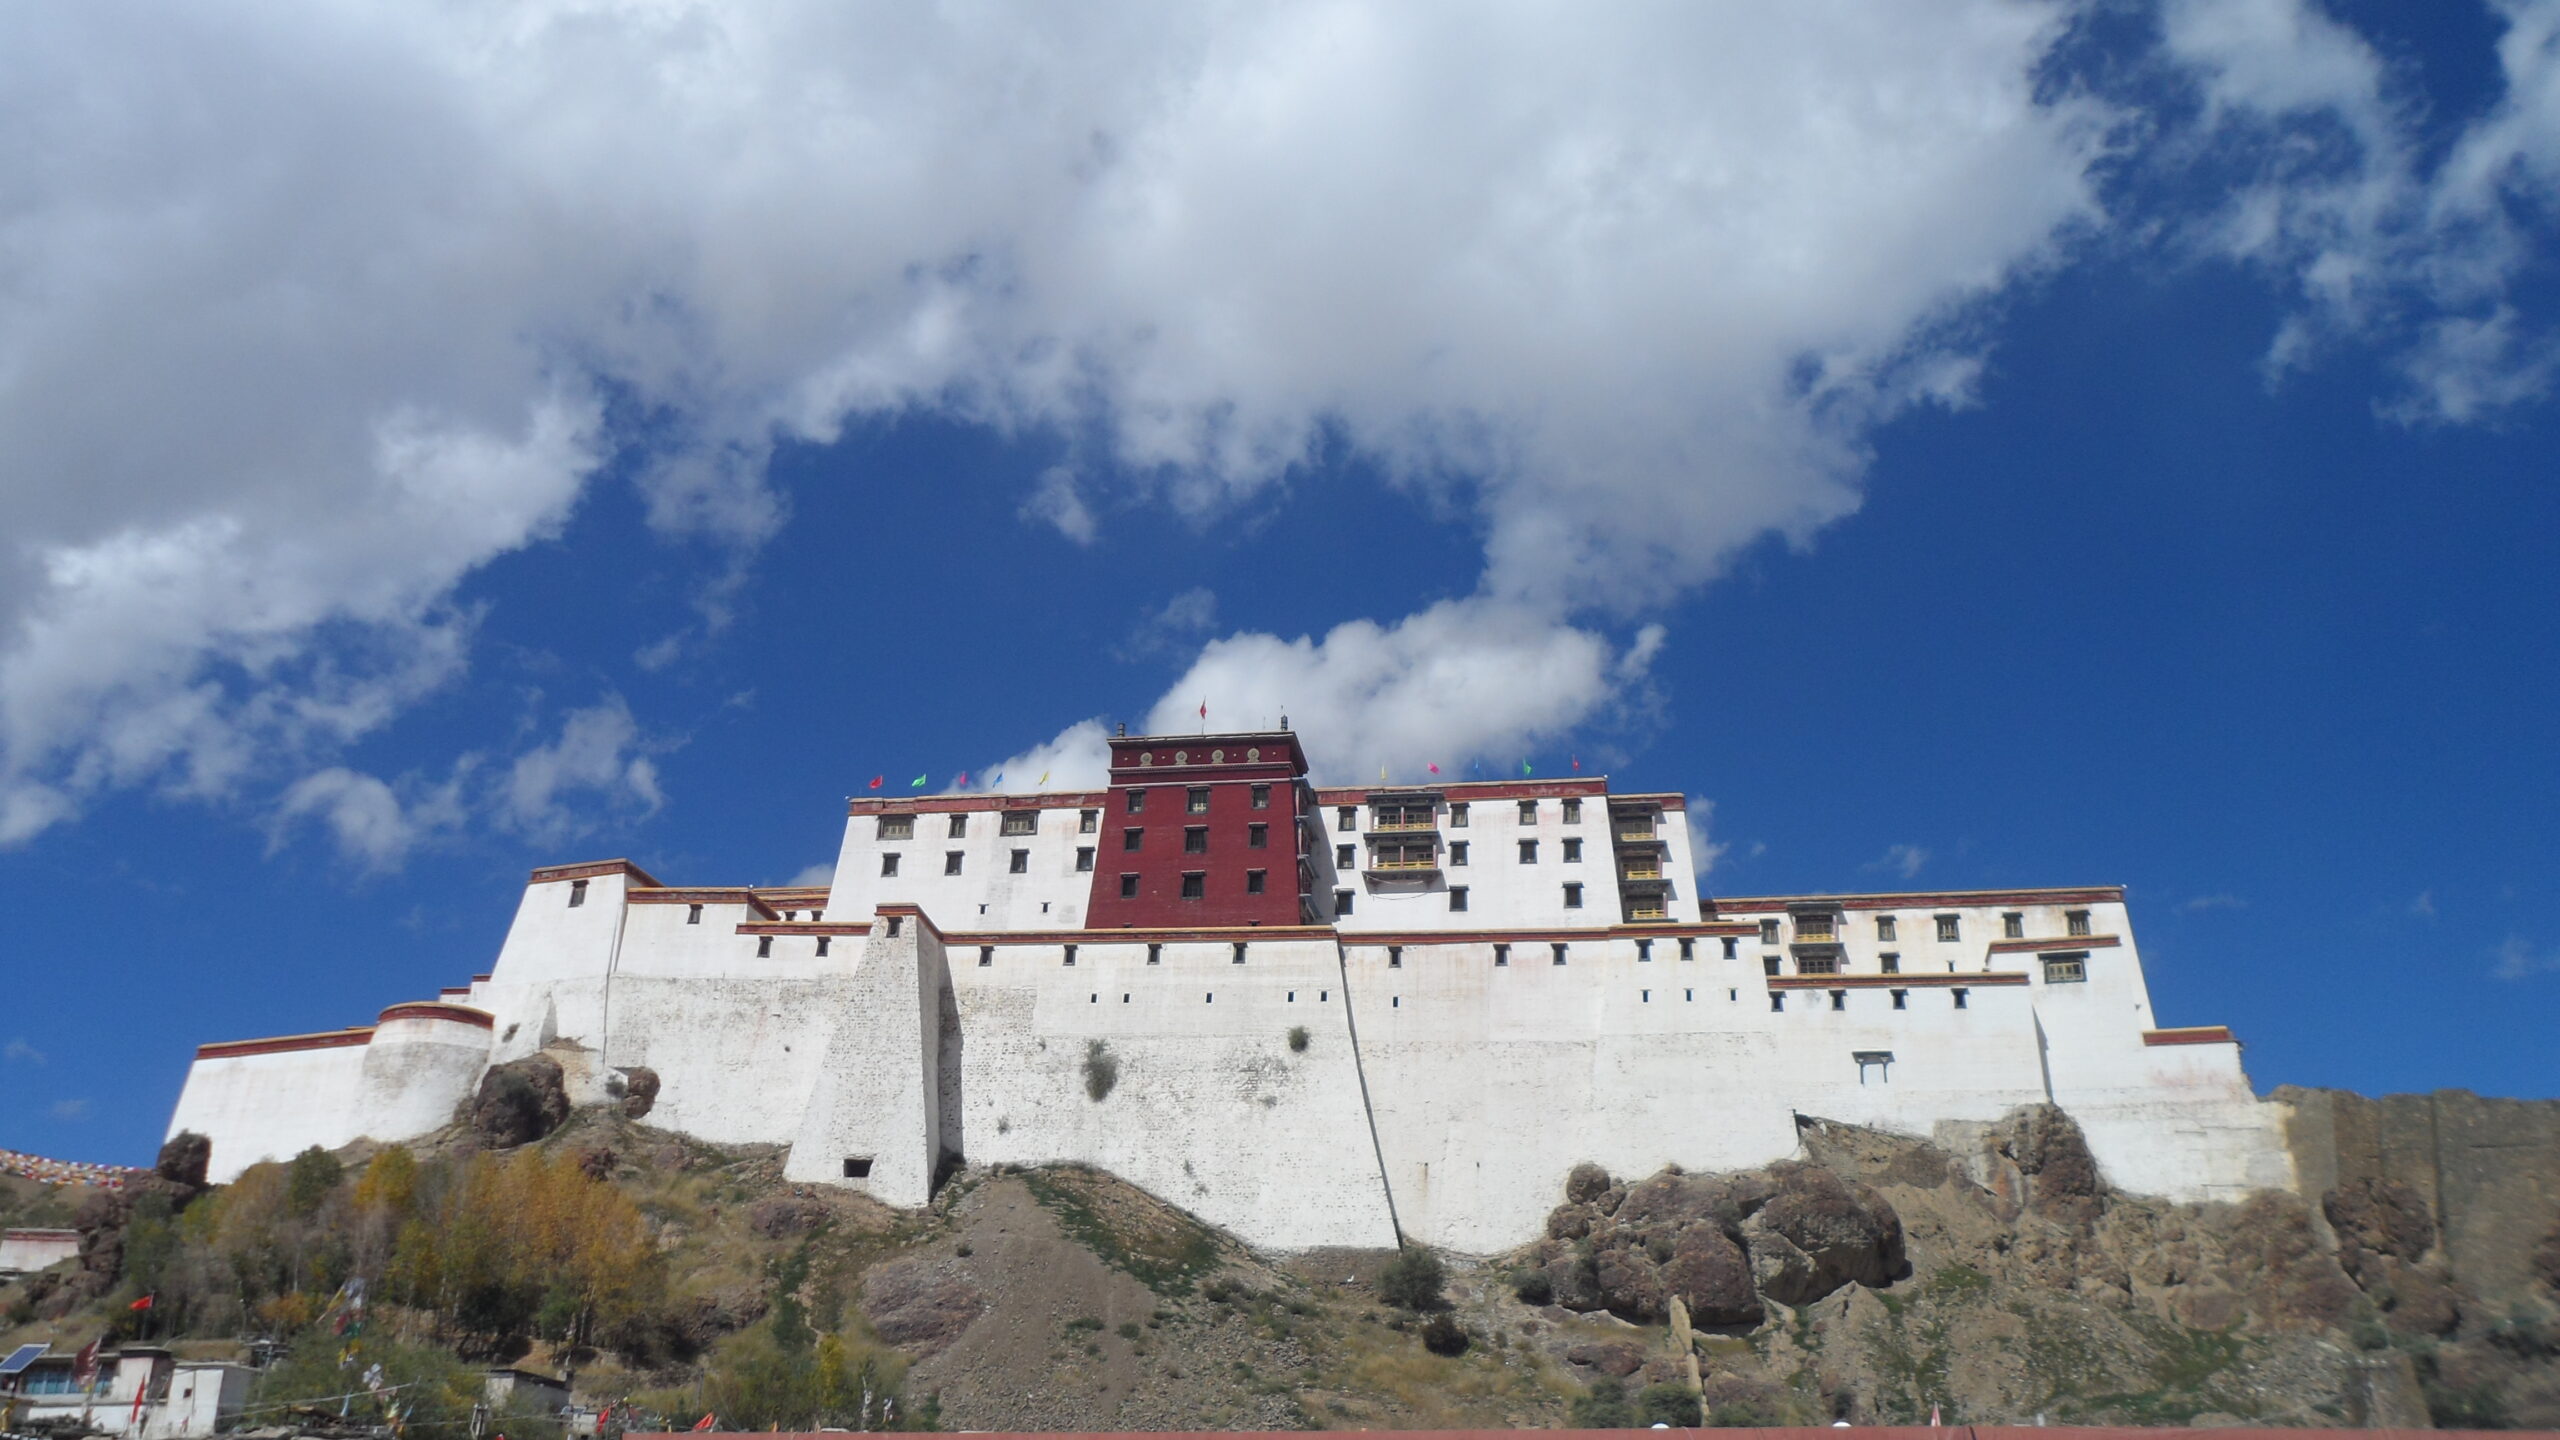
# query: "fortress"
1312,1016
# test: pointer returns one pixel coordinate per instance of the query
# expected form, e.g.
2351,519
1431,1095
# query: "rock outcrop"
519,1102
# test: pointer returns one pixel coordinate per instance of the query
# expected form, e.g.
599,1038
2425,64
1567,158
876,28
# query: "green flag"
1524,768
916,784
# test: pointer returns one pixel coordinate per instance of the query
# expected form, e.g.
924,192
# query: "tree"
1604,1407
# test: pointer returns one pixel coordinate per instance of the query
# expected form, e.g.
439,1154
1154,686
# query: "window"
1644,950
2076,922
1021,822
1253,881
1021,864
817,915
577,893
1261,797
764,947
1777,1001
1688,948
1573,897
1257,837
1768,964
1195,839
1131,838
1137,802
693,915
1395,957
1559,949
897,827
1155,954
1457,897
1875,1063
1732,948
1084,859
1816,928
1528,852
1128,887
986,956
951,862
1839,999
857,1167
1238,958
822,944
1573,812
959,826
1088,821
1948,928
1457,852
1458,816
1892,962
1345,856
1528,812
2013,926
1960,998
1501,954
1197,800
1346,818
1768,932
1071,955
1901,999
1572,851
1884,929
894,922
1341,902
2066,969
1818,965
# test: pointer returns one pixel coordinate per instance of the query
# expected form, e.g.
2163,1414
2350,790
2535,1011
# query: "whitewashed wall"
271,1106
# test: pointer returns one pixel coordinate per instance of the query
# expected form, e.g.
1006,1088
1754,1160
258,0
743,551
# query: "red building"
1204,831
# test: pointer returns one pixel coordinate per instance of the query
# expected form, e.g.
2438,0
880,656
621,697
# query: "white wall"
986,895
271,1106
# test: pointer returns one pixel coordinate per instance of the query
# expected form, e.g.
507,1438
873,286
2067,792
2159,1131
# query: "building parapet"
1920,899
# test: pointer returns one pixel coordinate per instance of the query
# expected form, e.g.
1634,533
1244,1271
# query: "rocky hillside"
1871,1278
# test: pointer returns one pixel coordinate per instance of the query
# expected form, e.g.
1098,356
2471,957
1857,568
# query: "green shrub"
1412,1280
1442,1335
1298,1038
1101,1069
1604,1407
1533,1287
1671,1405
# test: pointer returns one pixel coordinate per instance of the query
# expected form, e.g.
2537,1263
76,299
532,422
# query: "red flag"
84,1366
1577,764
1204,709
1435,769
876,779
704,1423
142,1304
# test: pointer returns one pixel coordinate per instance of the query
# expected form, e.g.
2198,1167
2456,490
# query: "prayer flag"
1525,770
1435,769
142,1304
1044,777
1204,707
962,783
916,784
1382,774
1577,764
876,779
704,1423
998,782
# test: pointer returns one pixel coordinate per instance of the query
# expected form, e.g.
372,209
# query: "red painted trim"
1642,930
703,895
548,873
2191,1035
1977,980
946,804
1921,900
804,927
2068,942
436,1010
325,1040
1221,934
795,896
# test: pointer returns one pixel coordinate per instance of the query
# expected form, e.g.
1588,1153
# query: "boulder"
1712,1276
520,1102
1819,1233
1629,1283
1585,1183
1609,1359
2375,1218
639,1090
919,1305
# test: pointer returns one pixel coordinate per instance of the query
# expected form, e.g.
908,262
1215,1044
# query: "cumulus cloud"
372,823
1178,623
19,1052
1078,758
598,761
70,1110
313,314
822,873
2202,903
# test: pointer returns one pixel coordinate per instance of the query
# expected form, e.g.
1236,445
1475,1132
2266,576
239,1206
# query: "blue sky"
1971,445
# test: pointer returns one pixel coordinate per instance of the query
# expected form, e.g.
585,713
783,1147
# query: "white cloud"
1056,501
19,1052
2377,243
822,873
372,823
2518,960
597,760
1903,861
313,314
2202,903
1704,852
70,1110
1178,623
2424,907
1079,758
